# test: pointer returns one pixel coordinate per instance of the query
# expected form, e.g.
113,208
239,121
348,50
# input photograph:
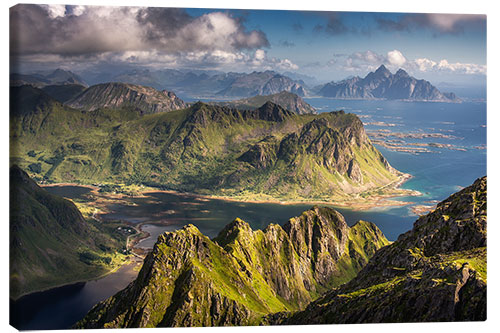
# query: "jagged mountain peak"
401,73
381,84
272,111
382,70
235,279
434,272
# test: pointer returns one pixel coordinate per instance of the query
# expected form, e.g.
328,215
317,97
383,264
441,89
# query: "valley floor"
382,197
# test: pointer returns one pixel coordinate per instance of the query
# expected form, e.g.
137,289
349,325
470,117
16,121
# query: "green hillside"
267,153
51,243
242,274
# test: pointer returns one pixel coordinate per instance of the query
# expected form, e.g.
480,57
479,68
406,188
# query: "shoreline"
356,202
72,283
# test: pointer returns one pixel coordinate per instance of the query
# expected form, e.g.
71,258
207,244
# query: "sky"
326,46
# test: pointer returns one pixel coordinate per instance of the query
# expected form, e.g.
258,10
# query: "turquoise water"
441,172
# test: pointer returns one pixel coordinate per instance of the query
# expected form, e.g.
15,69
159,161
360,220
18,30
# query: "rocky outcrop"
241,275
117,95
382,84
435,272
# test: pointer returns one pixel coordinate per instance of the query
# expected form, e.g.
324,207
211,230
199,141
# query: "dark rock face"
241,275
435,272
382,84
115,95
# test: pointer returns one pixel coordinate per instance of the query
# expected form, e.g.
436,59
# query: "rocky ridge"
435,272
242,274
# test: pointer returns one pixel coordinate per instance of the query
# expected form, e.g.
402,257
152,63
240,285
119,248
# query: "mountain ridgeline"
39,80
241,275
262,83
435,272
382,84
266,153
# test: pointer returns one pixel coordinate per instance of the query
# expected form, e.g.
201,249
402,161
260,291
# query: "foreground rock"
435,272
241,275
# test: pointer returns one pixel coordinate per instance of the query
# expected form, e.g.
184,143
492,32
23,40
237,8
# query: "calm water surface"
437,175
60,308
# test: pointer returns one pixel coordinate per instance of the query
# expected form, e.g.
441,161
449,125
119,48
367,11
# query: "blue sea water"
442,171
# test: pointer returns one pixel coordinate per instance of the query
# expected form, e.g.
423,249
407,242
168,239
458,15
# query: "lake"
436,174
60,308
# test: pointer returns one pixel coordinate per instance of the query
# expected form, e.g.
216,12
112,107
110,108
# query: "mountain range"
208,83
434,272
382,84
269,152
39,80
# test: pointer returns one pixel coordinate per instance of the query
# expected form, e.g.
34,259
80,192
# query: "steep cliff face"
116,95
241,275
435,272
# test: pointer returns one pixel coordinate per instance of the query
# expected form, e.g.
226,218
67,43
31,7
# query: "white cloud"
396,58
83,30
55,11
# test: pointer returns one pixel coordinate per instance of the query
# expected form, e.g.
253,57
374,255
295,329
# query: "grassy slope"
434,272
197,149
238,277
51,243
